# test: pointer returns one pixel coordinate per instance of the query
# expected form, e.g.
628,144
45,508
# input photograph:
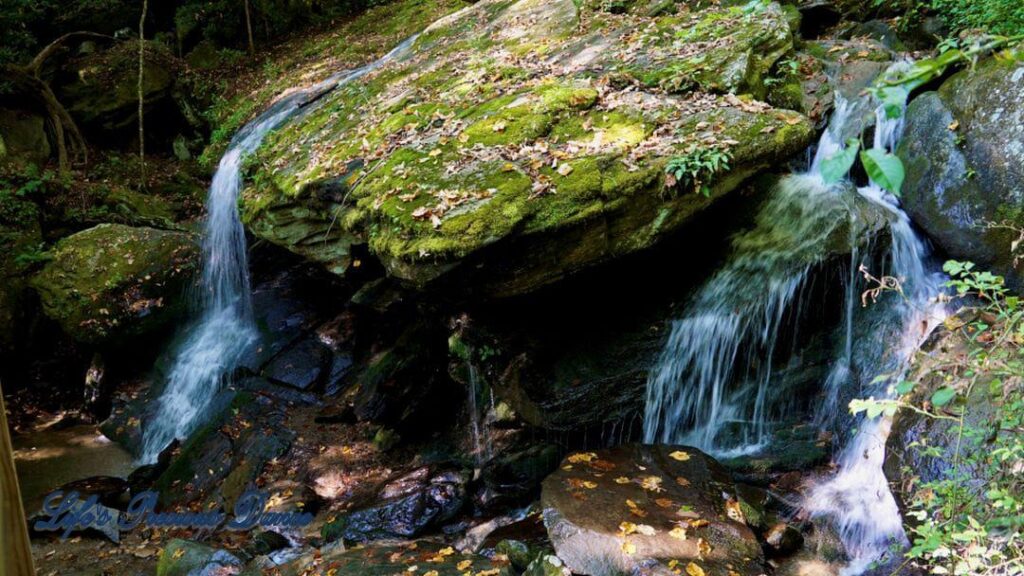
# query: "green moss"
113,281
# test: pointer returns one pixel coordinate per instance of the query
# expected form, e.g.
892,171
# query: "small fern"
696,168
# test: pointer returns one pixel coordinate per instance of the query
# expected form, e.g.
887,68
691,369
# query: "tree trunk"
15,551
248,27
142,66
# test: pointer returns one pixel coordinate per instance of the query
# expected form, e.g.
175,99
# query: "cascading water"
477,409
857,498
714,387
216,342
713,384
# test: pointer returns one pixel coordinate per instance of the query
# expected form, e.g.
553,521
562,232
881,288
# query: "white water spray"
213,346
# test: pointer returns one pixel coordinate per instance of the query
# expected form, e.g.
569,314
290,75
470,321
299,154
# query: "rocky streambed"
464,265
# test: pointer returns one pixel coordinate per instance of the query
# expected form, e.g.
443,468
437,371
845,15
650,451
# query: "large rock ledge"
524,141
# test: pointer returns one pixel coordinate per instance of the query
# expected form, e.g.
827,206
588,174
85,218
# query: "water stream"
716,384
224,329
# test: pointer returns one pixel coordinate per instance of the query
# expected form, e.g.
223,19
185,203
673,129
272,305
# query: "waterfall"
477,410
212,347
713,385
857,499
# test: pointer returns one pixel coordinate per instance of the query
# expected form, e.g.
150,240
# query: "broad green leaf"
904,388
893,98
943,396
837,166
884,169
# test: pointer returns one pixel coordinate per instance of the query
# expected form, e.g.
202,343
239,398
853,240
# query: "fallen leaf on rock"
678,533
582,457
646,530
694,570
680,456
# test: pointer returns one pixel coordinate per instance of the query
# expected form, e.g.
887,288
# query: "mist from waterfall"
212,347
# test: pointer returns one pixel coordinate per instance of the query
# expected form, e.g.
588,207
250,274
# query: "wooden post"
15,551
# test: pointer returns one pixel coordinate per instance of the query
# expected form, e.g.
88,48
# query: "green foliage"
837,166
884,169
696,168
1004,17
968,520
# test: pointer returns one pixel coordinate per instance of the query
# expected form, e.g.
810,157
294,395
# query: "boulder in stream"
964,156
648,508
405,507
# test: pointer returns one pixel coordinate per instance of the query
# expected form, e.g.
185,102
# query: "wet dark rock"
528,532
341,367
958,180
282,317
303,365
406,385
908,465
100,521
783,539
284,394
143,477
515,477
405,507
657,489
265,542
799,448
111,491
222,459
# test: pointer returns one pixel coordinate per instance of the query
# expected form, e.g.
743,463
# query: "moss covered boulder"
964,154
23,137
523,141
113,281
100,90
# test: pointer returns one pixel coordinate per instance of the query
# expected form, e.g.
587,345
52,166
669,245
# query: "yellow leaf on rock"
629,548
678,533
679,455
622,480
703,548
464,565
694,570
582,457
646,530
